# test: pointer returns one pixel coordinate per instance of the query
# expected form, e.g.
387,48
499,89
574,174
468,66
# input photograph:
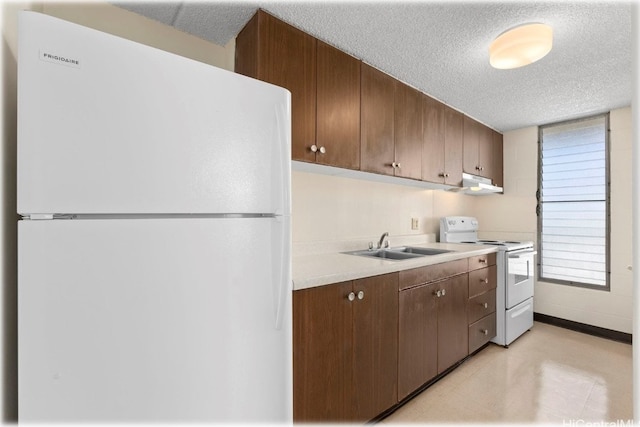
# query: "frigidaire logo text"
59,59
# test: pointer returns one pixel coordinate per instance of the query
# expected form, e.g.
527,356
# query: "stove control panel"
459,223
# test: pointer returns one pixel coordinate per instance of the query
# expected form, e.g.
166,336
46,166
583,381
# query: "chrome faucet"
384,236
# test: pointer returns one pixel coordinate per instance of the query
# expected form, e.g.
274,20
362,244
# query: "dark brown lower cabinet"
417,339
375,346
345,359
433,331
453,332
322,319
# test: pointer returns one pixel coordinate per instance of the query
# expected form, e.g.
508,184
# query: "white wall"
101,16
329,208
513,215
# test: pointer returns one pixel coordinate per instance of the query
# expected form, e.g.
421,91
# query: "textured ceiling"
441,48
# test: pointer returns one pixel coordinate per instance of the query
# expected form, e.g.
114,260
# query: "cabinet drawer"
482,305
431,273
482,261
482,280
481,332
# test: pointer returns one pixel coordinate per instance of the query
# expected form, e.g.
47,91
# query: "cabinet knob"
395,165
351,296
361,295
485,305
314,148
485,331
322,150
438,293
443,175
485,280
444,292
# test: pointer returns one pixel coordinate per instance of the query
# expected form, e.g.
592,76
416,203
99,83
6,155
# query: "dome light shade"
520,46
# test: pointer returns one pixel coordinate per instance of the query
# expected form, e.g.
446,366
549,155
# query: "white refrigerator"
154,273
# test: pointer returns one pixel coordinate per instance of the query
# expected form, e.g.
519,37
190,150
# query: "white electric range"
515,269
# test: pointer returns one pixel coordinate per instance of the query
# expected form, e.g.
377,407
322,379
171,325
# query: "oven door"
519,276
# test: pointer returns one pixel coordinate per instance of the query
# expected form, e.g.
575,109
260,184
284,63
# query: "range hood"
477,186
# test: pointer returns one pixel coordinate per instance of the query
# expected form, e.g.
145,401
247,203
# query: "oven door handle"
522,254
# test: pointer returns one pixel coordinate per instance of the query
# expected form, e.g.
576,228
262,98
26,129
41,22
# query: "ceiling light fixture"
521,46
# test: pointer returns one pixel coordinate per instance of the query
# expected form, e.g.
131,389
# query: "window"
573,203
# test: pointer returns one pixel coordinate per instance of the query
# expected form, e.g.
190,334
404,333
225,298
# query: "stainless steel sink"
399,253
385,254
421,251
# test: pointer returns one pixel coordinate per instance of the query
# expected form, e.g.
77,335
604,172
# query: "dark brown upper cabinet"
442,143
350,115
338,108
324,83
272,51
482,151
498,159
377,121
408,132
391,126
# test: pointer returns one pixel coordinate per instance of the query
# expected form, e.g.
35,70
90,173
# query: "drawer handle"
482,261
351,296
485,280
485,331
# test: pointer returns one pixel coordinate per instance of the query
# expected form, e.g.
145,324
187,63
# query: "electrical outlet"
414,224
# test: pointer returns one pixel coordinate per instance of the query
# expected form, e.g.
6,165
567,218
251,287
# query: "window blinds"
573,202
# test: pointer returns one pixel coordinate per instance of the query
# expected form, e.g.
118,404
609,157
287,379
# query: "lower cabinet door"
453,327
481,332
417,339
322,356
375,346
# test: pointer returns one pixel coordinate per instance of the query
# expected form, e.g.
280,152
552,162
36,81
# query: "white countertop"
319,269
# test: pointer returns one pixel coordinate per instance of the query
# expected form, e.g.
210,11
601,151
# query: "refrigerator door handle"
282,285
283,155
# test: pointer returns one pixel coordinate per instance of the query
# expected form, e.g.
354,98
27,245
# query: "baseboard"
584,328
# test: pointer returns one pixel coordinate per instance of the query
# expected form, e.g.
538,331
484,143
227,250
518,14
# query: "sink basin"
421,251
386,254
399,253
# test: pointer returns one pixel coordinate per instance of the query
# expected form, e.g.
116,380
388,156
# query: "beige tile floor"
548,375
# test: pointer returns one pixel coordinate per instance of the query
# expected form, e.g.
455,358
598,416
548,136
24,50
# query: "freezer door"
163,320
106,125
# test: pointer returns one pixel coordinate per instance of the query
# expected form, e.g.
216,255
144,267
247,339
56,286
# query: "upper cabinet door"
338,108
453,139
479,149
472,131
273,51
433,148
408,132
289,57
377,117
485,152
498,161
